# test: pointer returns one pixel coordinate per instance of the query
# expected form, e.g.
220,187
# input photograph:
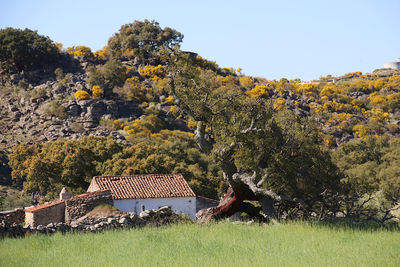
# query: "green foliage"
371,168
246,131
114,73
77,127
143,37
46,168
38,92
59,73
108,76
54,108
14,199
23,49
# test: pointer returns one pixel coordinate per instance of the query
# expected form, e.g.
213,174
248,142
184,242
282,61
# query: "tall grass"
224,244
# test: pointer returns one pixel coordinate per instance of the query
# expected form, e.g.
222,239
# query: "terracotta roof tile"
43,206
86,194
145,186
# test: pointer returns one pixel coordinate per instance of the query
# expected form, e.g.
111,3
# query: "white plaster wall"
178,204
392,65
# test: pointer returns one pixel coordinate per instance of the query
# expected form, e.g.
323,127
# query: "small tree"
144,37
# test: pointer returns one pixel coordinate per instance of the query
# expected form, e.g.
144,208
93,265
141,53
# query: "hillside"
146,99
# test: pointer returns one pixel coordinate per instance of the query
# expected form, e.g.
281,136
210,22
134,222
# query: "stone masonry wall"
45,214
13,216
78,206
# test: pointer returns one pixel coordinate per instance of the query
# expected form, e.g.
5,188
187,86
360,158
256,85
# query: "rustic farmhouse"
150,191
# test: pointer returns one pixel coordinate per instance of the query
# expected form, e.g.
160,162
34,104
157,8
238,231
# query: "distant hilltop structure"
392,65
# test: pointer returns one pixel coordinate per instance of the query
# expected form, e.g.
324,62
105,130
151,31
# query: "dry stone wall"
13,216
49,213
78,206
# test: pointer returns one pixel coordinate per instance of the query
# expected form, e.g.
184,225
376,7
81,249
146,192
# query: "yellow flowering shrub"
246,82
229,79
101,54
361,131
170,99
192,124
96,91
80,51
306,88
81,95
174,111
134,90
279,103
150,71
376,99
258,91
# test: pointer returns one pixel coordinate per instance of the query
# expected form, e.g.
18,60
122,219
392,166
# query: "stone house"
135,193
67,208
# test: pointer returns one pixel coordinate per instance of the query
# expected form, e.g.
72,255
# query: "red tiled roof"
144,186
43,206
50,204
86,194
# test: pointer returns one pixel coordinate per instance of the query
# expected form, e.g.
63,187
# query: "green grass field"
224,244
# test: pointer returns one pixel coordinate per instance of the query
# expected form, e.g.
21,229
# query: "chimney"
64,194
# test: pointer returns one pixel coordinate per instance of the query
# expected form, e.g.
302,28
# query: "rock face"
46,112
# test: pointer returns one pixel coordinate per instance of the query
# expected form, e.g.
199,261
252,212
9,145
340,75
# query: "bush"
81,95
80,51
23,49
14,199
96,91
77,127
23,84
54,108
38,93
59,73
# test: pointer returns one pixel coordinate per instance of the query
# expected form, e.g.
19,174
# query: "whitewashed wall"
178,204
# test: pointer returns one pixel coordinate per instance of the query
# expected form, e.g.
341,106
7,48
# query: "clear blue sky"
272,39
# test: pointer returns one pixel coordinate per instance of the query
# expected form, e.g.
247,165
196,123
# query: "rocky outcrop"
48,112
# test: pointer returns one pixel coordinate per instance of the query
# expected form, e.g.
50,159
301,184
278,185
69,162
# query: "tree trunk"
233,202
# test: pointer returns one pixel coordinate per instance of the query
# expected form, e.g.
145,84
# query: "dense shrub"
81,94
80,51
22,49
54,108
96,91
46,168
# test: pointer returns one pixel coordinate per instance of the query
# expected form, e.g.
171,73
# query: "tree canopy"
255,145
144,37
46,168
21,49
